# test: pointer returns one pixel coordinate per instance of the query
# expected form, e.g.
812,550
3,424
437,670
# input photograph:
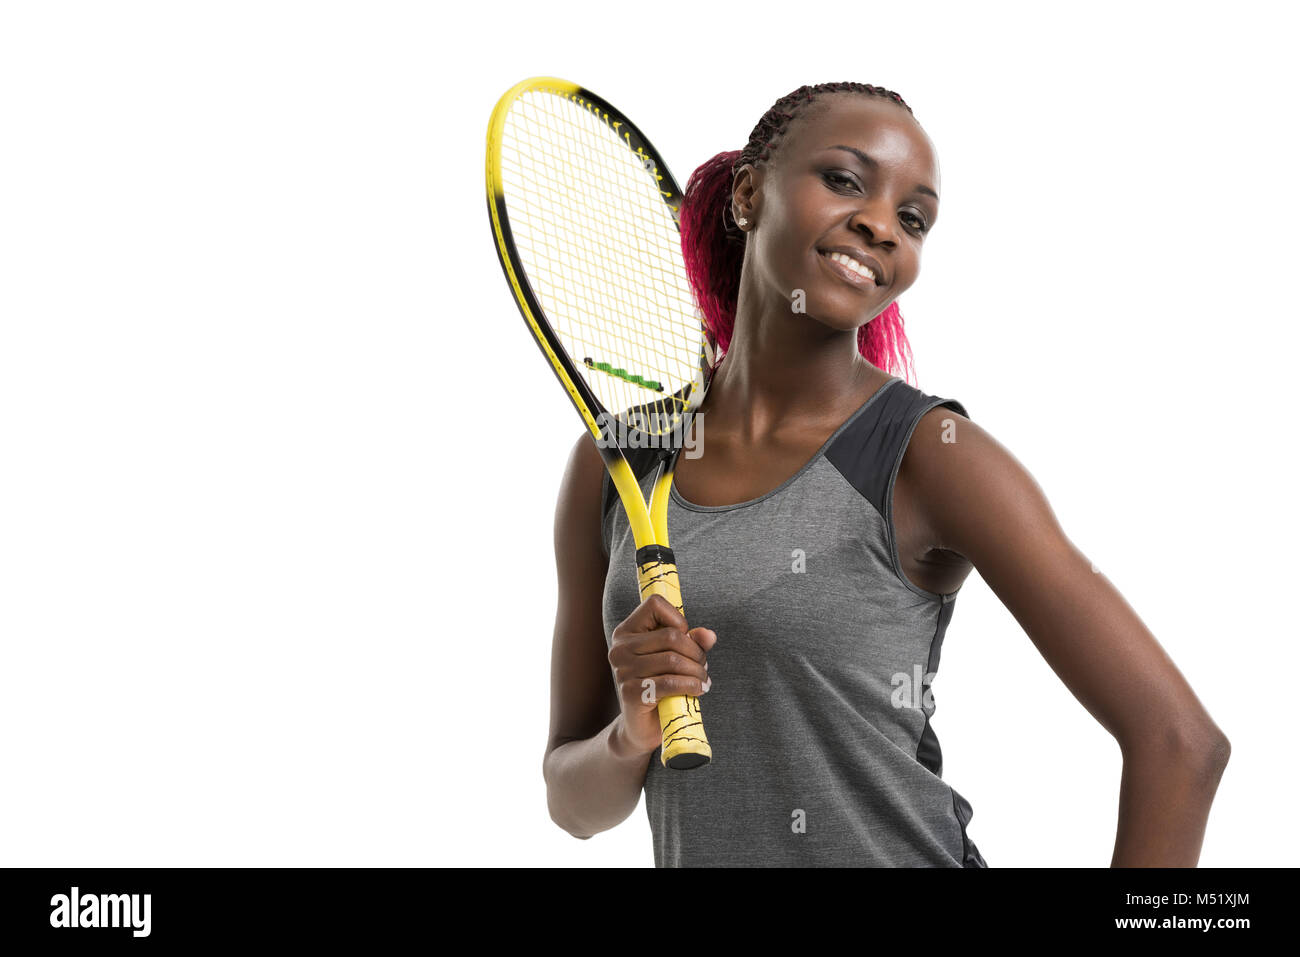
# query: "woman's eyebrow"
870,163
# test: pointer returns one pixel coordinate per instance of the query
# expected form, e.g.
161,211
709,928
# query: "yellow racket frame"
685,744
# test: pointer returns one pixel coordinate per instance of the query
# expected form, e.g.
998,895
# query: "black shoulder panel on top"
865,452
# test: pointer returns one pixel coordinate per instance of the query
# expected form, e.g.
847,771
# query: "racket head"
585,218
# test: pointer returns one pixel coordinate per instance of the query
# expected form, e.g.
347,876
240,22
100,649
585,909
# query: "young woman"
822,536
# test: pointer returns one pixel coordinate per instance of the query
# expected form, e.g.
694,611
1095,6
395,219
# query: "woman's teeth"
853,264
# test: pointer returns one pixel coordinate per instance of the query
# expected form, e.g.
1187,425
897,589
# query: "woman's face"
855,173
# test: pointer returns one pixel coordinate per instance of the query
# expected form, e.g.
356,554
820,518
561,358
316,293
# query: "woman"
822,536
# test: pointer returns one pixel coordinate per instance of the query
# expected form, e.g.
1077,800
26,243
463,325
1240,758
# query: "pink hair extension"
713,258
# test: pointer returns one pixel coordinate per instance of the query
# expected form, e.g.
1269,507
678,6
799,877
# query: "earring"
742,222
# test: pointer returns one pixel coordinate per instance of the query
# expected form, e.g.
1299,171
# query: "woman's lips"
853,278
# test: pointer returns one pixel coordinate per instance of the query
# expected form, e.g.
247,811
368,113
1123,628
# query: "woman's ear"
745,194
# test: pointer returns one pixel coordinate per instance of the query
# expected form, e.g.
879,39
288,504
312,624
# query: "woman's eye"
839,178
920,223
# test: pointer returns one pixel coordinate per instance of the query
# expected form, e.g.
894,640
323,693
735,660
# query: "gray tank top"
819,714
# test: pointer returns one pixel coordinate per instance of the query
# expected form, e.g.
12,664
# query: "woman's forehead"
874,125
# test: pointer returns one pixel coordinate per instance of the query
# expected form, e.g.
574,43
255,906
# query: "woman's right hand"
654,655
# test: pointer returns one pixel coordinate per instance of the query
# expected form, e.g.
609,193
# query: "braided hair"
714,248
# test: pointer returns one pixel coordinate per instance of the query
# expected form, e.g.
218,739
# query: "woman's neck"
758,389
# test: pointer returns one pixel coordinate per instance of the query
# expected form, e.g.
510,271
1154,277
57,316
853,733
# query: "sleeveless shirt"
819,714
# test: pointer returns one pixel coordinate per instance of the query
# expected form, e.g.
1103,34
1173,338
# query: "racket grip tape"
685,745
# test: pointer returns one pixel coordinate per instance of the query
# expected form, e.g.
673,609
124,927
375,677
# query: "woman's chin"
836,323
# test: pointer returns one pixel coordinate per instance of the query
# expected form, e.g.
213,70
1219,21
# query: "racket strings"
602,251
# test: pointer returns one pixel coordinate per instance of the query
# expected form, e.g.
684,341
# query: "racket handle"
685,745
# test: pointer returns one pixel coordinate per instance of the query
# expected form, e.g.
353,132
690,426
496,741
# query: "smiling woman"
895,159
828,524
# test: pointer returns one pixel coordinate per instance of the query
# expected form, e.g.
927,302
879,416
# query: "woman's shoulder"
577,511
968,488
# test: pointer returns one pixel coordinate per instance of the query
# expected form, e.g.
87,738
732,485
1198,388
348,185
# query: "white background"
279,459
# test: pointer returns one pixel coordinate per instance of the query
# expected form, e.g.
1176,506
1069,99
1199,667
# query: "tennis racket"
585,220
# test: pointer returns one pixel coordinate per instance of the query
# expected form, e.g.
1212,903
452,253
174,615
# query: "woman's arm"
979,501
593,779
